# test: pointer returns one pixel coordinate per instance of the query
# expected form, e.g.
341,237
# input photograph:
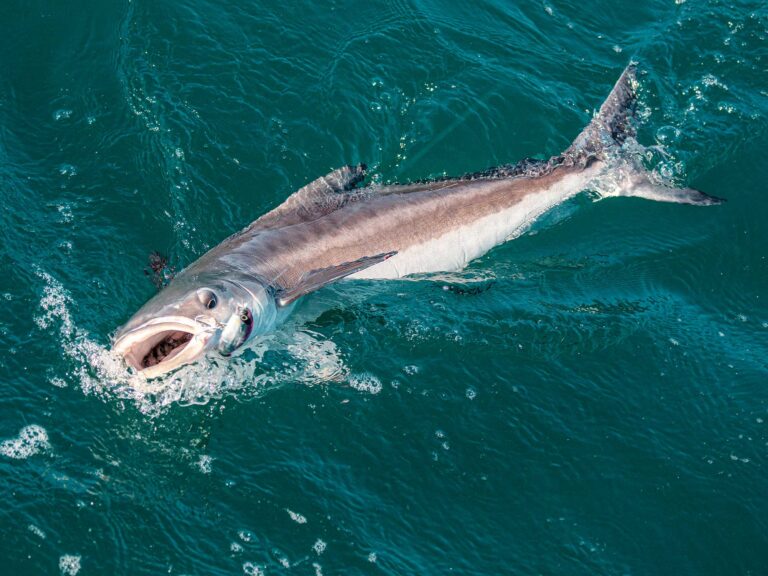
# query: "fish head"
192,315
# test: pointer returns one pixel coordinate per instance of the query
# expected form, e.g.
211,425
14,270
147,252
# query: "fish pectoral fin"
316,279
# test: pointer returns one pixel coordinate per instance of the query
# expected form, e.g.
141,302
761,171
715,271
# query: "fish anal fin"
316,279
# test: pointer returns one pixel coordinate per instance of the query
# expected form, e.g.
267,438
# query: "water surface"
587,399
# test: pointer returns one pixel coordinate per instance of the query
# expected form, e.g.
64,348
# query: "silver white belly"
454,250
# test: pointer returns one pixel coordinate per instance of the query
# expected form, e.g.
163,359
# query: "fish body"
333,228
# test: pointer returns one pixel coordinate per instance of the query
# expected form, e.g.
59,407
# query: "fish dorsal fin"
316,279
526,167
316,199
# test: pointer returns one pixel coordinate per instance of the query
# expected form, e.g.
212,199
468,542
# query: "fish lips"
188,339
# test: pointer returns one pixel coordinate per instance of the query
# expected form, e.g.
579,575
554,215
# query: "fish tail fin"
613,123
604,139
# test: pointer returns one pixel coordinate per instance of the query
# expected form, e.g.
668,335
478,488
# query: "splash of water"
98,371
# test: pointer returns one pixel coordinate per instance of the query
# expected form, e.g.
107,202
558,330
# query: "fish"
336,228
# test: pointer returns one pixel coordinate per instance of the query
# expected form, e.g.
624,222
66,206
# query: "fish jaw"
163,344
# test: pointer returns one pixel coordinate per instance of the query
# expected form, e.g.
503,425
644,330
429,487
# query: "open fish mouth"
163,344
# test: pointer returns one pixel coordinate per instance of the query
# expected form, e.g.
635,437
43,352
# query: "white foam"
31,440
62,114
69,564
245,535
320,357
296,517
251,569
365,382
204,464
319,546
36,531
58,382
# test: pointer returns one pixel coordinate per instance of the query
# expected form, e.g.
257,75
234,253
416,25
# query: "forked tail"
604,138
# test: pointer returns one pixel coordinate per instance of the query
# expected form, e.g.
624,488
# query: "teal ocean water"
590,398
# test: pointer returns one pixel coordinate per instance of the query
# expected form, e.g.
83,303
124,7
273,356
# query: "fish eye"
207,298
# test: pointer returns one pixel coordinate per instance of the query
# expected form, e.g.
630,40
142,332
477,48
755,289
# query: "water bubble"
58,382
204,464
365,382
296,517
667,135
69,564
251,569
36,531
372,557
319,546
67,170
235,548
62,114
65,210
245,535
471,393
712,80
